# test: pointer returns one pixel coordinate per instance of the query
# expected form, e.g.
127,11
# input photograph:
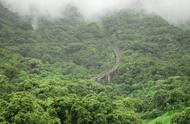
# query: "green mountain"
128,67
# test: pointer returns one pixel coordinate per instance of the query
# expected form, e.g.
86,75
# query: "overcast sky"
172,10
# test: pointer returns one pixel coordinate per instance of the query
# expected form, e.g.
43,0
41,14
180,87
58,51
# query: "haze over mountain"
175,11
124,66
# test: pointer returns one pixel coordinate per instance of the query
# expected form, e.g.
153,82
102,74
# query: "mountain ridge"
45,74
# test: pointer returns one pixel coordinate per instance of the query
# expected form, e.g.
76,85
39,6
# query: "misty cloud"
175,11
172,10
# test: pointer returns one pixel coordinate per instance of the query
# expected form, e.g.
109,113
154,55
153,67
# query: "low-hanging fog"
175,11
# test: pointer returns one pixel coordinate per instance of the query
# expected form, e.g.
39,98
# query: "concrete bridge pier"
109,77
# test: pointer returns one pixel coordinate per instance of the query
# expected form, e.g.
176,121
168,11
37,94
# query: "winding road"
112,70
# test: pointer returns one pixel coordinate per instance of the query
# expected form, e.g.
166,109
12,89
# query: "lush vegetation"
45,73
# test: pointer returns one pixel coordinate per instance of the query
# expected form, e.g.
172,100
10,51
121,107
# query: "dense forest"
47,69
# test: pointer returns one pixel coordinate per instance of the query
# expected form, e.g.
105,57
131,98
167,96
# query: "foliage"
46,73
182,117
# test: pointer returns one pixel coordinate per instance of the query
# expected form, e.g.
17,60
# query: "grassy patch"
164,119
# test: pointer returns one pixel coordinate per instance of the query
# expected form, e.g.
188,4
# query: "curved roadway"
112,70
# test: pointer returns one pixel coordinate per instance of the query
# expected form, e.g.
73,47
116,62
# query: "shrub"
182,118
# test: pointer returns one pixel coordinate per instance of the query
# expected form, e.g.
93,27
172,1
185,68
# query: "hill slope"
45,73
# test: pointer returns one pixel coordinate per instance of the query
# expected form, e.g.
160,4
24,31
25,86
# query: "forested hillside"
47,70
